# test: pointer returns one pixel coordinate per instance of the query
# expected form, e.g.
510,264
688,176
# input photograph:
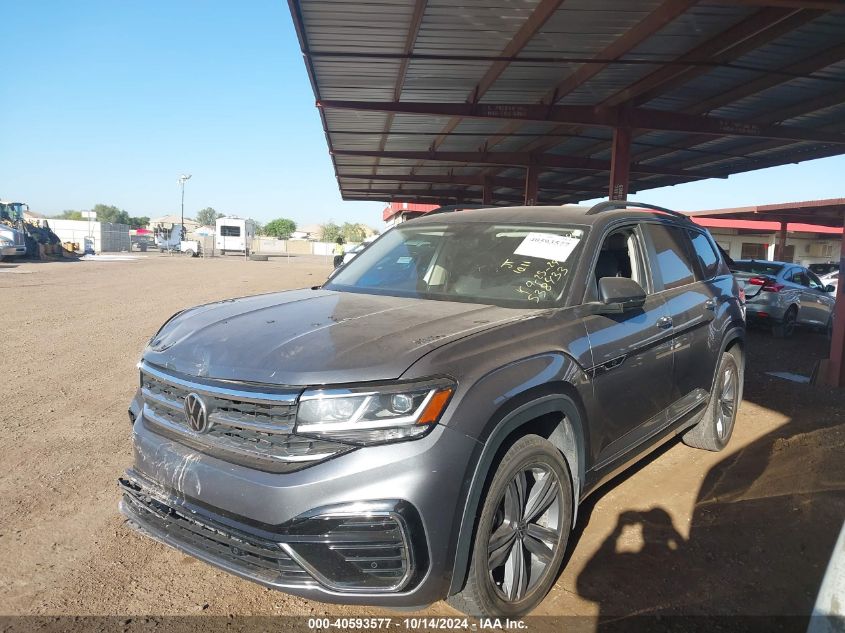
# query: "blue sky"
108,102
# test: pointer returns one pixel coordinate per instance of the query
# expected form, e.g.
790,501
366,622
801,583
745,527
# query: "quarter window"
671,246
230,231
708,261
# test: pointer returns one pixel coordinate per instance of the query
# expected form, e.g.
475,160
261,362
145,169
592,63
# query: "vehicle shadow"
763,527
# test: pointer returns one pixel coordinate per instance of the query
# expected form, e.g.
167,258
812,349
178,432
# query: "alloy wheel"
526,532
727,402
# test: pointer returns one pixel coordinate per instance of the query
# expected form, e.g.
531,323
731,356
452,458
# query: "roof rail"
458,207
609,205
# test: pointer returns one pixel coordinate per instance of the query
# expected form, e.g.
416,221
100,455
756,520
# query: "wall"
732,243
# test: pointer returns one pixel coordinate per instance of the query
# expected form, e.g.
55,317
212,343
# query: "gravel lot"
746,531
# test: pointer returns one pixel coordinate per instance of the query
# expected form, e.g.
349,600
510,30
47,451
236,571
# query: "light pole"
182,180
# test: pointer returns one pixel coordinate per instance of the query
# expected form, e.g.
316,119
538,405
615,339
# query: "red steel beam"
620,163
808,65
470,180
639,118
822,5
410,40
542,12
742,38
433,198
633,37
532,175
521,159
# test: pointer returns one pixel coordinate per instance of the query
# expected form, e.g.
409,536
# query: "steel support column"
487,191
531,184
836,365
780,247
620,163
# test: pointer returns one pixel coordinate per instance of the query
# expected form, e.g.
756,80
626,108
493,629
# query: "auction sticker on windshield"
549,246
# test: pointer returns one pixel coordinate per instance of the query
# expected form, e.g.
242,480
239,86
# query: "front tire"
714,430
522,532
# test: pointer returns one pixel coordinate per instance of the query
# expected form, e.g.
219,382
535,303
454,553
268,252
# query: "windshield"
498,264
756,268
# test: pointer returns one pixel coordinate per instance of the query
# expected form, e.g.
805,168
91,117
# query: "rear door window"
798,276
707,260
673,258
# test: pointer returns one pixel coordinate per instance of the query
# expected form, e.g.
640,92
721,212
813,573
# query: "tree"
353,232
110,213
329,232
69,214
139,222
208,216
280,227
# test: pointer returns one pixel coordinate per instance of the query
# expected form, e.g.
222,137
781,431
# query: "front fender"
497,406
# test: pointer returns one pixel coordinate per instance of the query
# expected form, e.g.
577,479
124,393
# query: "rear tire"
714,430
188,253
522,532
786,328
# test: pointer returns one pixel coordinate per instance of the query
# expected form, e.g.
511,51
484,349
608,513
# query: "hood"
315,337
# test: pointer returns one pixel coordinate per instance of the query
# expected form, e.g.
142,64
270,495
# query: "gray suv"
424,425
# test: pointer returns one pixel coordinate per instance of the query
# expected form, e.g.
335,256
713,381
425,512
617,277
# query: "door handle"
664,323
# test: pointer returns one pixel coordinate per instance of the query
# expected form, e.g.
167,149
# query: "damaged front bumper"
331,553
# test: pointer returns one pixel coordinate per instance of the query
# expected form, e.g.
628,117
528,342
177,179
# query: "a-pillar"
532,175
620,163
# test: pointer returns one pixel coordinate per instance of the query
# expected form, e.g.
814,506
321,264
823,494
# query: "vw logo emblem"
195,413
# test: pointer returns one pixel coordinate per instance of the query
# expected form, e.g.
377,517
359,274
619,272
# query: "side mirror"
830,288
619,294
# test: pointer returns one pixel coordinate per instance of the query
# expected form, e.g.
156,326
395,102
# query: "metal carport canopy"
520,101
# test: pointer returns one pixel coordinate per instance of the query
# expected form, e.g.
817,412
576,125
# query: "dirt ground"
746,531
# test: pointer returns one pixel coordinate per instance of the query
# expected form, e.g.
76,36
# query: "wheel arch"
553,411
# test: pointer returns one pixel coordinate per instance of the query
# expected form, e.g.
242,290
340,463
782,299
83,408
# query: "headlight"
373,416
4,243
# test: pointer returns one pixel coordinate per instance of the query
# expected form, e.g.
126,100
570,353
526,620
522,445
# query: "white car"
831,279
349,255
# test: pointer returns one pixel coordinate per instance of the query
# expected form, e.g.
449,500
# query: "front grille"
258,559
243,427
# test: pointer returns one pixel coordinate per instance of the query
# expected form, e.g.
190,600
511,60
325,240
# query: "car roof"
766,261
564,214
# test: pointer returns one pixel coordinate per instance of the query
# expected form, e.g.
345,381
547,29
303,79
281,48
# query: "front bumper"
341,549
414,486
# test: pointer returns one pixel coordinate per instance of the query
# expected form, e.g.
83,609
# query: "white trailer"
234,235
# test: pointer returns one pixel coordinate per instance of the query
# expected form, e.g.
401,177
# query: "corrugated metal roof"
743,61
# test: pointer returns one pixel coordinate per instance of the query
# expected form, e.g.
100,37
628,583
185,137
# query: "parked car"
831,279
349,255
425,424
782,296
824,269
